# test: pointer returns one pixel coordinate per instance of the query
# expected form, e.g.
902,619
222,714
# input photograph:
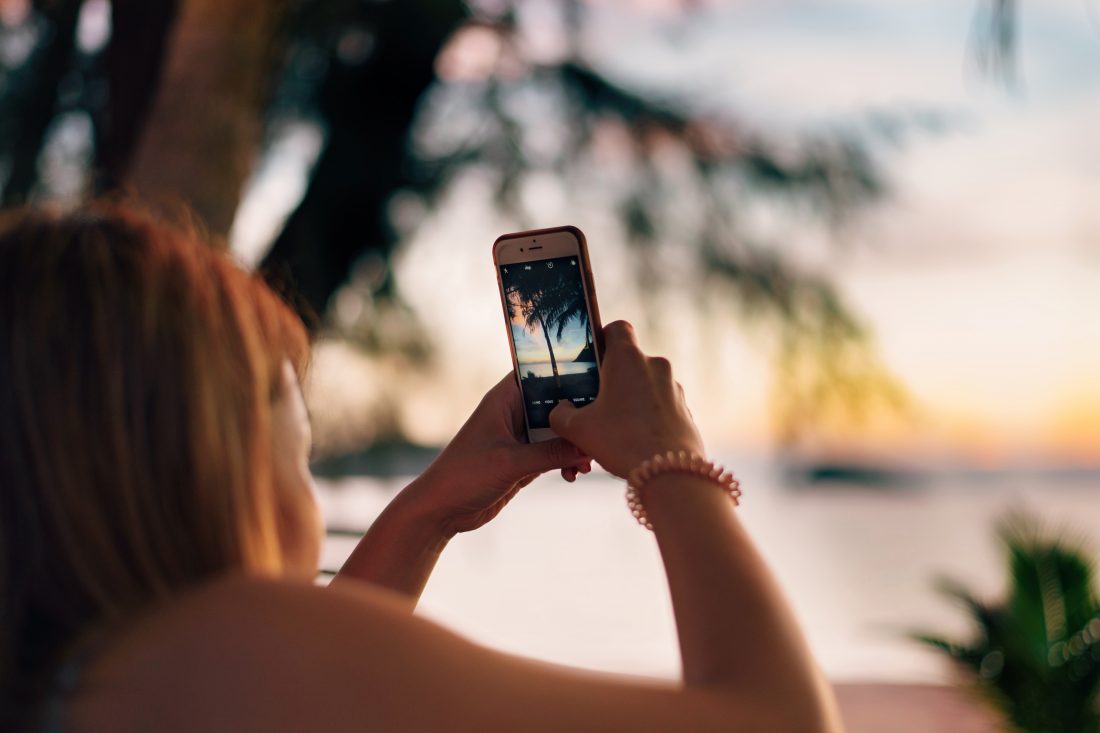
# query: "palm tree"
185,91
569,305
575,306
544,301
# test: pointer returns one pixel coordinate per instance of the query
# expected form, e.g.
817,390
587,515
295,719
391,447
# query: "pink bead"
676,461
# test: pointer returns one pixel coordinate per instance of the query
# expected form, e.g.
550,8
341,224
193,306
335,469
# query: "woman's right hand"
640,410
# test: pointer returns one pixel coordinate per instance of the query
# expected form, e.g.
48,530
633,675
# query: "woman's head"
146,386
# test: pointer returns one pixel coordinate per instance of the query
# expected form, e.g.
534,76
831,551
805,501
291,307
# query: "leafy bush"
1036,654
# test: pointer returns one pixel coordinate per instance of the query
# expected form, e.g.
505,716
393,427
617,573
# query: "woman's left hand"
487,462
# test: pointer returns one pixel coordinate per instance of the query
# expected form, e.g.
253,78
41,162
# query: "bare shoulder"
264,655
242,654
249,605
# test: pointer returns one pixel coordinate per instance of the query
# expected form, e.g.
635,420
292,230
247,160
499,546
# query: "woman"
159,533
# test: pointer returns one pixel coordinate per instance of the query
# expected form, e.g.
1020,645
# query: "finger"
660,369
546,456
563,417
504,390
508,381
509,389
585,467
619,334
569,474
660,365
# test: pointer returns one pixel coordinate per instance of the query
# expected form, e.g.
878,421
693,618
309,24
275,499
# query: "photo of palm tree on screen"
552,334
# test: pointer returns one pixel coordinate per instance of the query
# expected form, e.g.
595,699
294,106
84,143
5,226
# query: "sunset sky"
531,342
531,345
979,274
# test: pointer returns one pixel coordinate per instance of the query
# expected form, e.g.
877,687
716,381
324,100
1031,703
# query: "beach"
564,574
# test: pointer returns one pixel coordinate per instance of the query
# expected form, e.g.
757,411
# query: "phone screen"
552,334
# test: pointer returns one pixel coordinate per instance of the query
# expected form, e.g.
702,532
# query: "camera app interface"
552,334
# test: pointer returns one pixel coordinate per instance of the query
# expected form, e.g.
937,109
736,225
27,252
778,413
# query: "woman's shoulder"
239,601
248,654
238,611
235,653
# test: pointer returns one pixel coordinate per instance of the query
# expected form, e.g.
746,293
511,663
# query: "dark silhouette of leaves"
366,73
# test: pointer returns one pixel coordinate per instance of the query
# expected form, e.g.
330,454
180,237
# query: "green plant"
1036,654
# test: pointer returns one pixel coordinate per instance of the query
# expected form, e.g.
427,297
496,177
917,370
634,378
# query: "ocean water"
565,575
546,369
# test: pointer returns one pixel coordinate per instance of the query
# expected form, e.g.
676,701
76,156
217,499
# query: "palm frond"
1036,653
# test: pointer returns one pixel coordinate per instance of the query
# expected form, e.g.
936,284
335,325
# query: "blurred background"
866,234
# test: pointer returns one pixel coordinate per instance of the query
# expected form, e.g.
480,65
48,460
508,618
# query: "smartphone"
552,319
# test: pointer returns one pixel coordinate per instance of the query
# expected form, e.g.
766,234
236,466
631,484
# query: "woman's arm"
353,659
475,476
400,549
735,628
746,665
736,631
262,655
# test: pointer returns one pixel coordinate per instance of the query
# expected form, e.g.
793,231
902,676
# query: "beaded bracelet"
678,462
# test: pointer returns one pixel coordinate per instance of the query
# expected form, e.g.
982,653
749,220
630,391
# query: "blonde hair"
137,369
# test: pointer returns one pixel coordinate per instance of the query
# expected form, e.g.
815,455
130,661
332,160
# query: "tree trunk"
206,121
134,63
370,107
550,347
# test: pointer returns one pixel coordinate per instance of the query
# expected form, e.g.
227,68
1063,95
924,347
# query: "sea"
546,369
564,574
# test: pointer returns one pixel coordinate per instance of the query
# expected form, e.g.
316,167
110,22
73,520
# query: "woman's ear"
300,526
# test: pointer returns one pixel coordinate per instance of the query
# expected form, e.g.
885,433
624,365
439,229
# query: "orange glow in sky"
978,274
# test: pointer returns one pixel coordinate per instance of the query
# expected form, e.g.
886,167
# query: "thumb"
549,455
561,417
